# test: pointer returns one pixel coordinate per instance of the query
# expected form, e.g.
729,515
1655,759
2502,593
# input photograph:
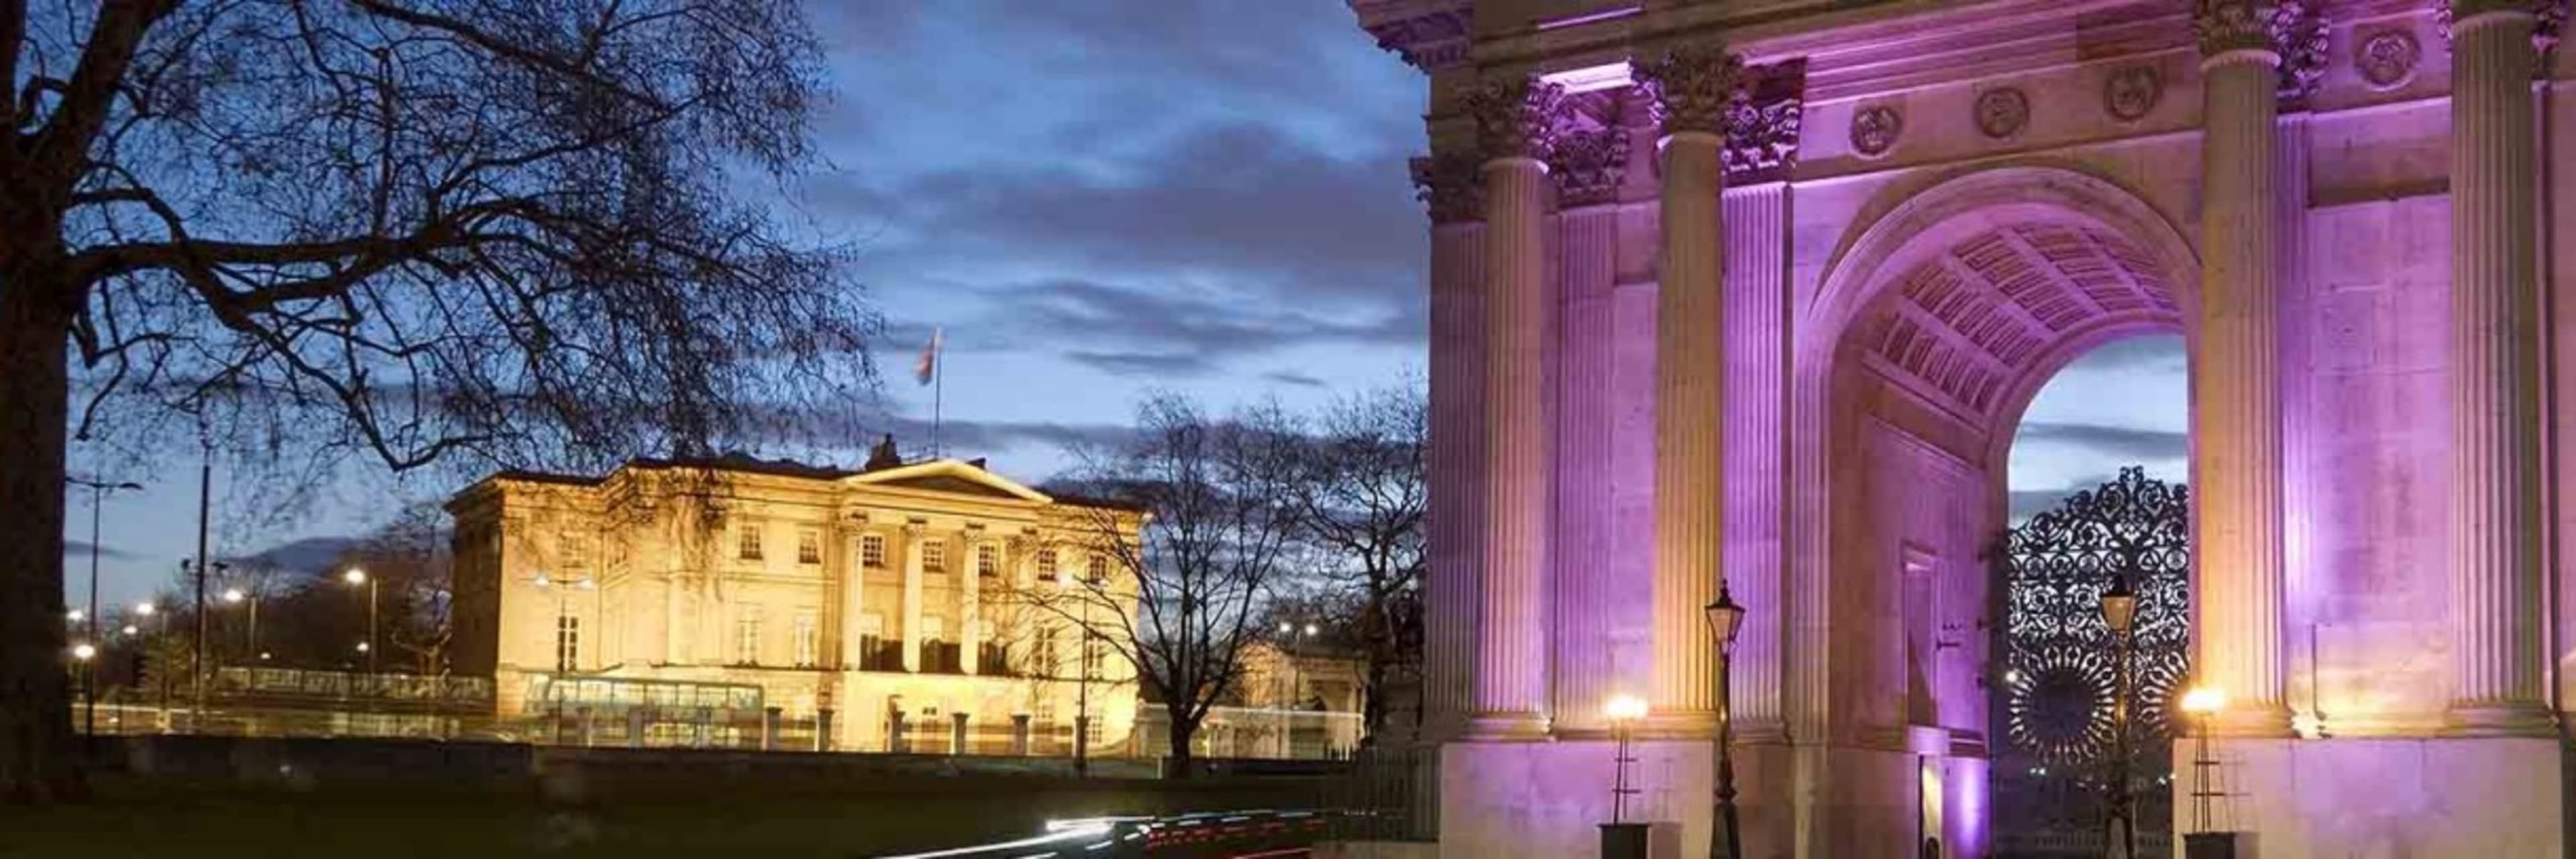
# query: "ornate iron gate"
2053,704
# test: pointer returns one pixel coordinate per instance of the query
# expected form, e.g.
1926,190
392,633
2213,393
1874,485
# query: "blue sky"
1097,199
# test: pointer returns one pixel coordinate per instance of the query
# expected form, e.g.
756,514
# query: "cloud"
2029,502
1145,363
2126,444
2158,353
80,548
1286,377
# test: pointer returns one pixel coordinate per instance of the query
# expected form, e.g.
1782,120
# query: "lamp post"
2119,612
250,641
1725,619
1619,838
98,491
357,577
2203,704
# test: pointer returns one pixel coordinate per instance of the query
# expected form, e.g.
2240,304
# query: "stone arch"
1938,318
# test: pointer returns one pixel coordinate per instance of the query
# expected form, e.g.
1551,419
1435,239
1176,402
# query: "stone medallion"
2131,92
2387,59
2001,113
1874,130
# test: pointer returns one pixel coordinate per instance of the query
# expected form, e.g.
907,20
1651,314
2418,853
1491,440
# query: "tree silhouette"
414,230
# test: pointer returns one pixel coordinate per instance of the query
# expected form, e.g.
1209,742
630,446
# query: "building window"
1043,661
567,642
875,652
809,546
872,551
1097,569
1046,563
805,639
746,638
934,556
747,541
988,561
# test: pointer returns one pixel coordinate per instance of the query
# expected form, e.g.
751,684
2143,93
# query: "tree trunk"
38,762
1185,730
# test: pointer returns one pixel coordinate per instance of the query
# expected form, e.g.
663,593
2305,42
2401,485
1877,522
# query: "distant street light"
74,616
236,596
98,490
129,629
145,609
84,652
356,577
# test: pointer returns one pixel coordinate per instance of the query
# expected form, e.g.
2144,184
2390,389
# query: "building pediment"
952,477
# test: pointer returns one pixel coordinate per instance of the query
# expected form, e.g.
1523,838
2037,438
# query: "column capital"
1515,117
2548,26
2229,26
1590,159
1450,185
1763,119
1693,88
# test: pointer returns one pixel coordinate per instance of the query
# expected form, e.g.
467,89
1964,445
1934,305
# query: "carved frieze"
2387,59
2299,35
1874,129
1428,34
1591,157
2002,112
1693,88
1515,116
2231,25
2549,23
1451,185
2130,93
1763,121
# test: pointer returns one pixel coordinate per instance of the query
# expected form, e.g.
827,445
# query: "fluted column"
1450,182
2495,374
2236,380
970,621
1757,243
1513,129
1693,87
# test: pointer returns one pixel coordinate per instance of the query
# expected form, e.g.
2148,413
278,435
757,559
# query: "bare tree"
1215,533
406,229
1360,497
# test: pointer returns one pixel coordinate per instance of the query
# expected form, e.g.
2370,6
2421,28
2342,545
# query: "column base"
2499,720
2251,723
2446,796
1507,726
1678,726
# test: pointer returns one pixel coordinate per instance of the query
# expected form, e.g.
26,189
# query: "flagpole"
938,388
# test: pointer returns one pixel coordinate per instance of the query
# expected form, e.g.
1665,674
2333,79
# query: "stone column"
1513,123
970,635
914,535
1693,86
2236,379
1451,183
2496,653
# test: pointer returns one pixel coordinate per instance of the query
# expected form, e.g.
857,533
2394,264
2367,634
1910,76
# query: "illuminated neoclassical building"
928,589
1758,290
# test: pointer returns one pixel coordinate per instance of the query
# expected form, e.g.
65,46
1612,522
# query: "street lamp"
1623,711
2203,703
98,491
2120,612
356,577
1725,619
84,651
237,596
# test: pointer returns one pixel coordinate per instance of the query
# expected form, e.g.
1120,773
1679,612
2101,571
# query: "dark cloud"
967,439
1286,377
1159,365
2029,502
2159,353
2124,444
80,549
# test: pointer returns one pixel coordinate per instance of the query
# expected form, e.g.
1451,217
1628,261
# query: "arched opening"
1940,323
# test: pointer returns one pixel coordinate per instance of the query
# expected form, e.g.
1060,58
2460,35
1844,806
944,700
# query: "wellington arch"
1751,296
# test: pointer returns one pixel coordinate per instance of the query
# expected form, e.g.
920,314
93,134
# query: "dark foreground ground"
132,818
339,804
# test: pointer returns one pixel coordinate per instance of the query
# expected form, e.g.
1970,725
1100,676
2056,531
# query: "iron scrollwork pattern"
2055,680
